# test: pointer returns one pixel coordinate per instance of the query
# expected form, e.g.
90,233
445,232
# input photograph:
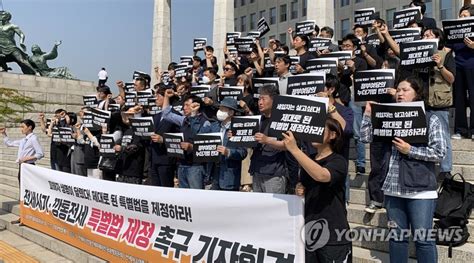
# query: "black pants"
464,83
102,82
379,152
162,175
329,253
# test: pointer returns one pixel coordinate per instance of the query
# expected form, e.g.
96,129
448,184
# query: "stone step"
9,191
357,215
362,255
29,249
56,246
464,253
9,180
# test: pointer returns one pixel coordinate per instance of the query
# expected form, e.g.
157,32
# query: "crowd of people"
317,171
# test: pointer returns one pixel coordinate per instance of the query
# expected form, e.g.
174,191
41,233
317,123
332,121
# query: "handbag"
455,199
108,164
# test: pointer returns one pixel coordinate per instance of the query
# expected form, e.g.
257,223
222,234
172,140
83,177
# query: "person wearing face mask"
230,163
410,204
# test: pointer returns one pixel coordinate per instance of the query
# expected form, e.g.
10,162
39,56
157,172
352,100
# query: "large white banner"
126,222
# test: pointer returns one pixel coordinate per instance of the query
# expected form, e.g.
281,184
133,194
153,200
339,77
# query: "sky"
115,34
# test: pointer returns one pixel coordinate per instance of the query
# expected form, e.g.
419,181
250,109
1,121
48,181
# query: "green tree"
13,105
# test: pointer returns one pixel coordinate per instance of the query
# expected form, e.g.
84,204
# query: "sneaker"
456,136
360,170
372,208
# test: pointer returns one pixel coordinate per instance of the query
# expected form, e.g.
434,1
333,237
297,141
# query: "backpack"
453,208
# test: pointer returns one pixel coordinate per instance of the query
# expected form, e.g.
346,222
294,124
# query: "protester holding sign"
230,164
428,22
367,52
162,168
410,184
60,150
248,102
282,68
328,32
301,45
464,58
190,174
323,179
267,164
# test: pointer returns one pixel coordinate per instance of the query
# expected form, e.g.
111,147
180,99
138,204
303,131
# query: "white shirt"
102,74
28,146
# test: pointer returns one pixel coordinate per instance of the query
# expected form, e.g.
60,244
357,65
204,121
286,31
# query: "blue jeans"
191,176
417,214
360,147
446,164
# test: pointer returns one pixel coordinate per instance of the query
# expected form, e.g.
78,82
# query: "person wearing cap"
230,164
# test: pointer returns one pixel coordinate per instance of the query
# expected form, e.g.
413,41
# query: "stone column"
223,23
161,48
322,11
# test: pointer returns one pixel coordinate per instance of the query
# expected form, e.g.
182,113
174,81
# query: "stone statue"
39,59
9,52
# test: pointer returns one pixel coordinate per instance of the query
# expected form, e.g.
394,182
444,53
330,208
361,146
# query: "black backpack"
453,208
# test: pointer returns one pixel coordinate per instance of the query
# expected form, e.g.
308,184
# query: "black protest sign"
373,40
260,82
233,52
140,74
144,96
107,144
230,36
199,44
165,77
181,70
253,34
364,16
173,144
319,43
403,120
234,92
403,17
342,56
48,122
90,101
305,27
456,30
129,87
244,44
417,54
294,60
373,85
94,119
142,126
200,91
65,135
262,26
113,107
55,134
243,130
279,54
405,34
186,60
154,110
267,62
305,116
130,98
306,84
205,147
326,65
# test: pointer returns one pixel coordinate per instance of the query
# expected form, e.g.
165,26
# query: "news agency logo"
316,233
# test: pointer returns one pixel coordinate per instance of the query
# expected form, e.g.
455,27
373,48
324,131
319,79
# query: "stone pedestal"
161,49
322,11
223,23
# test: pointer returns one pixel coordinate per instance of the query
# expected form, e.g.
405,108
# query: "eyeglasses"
228,69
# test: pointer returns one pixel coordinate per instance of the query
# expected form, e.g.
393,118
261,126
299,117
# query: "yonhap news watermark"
317,234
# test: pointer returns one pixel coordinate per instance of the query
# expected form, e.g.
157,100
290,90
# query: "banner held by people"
143,126
405,120
306,84
205,147
417,54
458,29
373,85
243,130
173,144
126,222
305,116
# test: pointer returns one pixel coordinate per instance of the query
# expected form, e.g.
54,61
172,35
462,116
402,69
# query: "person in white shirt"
102,77
29,148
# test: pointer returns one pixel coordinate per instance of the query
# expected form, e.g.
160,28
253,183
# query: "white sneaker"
456,136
